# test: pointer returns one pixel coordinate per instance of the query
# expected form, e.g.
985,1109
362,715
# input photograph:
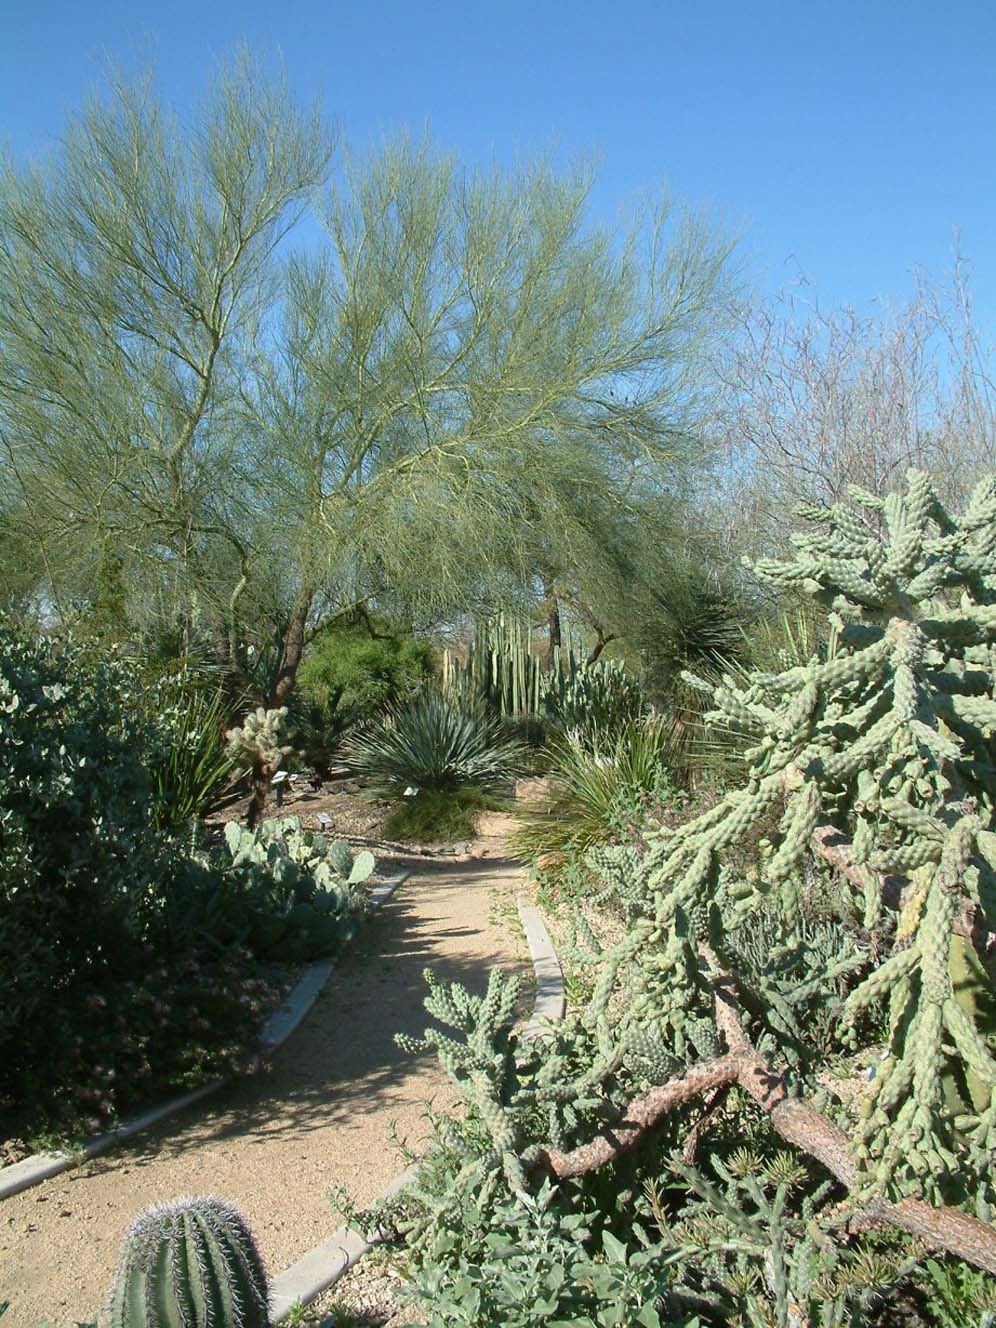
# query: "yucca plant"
438,741
193,767
601,792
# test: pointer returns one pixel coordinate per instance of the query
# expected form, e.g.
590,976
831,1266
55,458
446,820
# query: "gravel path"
275,1146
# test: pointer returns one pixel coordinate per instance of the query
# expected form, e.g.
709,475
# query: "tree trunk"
555,630
599,646
257,802
291,650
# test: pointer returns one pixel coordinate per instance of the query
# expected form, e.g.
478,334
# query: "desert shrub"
601,793
357,667
439,815
158,1027
86,877
129,957
697,621
959,1296
78,856
438,741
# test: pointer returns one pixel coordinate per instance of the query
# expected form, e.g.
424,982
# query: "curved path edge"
324,1265
281,1024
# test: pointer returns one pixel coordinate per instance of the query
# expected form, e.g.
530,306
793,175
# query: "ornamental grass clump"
603,794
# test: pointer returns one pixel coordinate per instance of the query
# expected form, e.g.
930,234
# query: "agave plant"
437,741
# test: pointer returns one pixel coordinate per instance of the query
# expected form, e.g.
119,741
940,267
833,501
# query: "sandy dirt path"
275,1146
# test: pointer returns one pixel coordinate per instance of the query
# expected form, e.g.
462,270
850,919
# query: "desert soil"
323,1118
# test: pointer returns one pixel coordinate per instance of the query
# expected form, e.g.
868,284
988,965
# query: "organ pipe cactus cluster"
889,740
502,667
191,1263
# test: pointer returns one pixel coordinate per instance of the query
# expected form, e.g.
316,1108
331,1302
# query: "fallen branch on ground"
794,1119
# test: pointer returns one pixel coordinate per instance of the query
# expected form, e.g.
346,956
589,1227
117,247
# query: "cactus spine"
191,1263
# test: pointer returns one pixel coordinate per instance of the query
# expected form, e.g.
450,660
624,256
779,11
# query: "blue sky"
846,141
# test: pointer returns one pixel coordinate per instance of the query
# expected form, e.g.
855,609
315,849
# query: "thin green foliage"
601,790
194,766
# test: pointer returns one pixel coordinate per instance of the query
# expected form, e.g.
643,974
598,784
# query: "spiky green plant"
437,741
809,961
194,765
599,793
257,740
596,701
191,1263
502,669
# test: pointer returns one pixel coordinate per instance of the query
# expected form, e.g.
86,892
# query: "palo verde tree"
273,437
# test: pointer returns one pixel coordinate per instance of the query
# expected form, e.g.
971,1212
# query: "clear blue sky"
846,140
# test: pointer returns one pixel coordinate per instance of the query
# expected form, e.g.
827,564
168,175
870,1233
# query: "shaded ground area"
276,1145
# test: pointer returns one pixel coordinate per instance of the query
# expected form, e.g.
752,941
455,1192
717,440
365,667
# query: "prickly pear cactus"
191,1263
306,885
889,740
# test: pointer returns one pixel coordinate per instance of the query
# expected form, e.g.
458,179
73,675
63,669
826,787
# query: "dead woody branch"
794,1119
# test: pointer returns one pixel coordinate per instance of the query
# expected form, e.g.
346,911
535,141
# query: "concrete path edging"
550,1000
324,1265
281,1024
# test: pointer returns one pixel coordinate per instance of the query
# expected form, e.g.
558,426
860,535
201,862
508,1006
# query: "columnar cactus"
889,740
189,1264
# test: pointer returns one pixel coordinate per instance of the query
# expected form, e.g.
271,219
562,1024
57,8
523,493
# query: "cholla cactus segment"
191,1263
891,739
257,742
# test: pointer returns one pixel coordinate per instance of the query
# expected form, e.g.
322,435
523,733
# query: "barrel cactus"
189,1264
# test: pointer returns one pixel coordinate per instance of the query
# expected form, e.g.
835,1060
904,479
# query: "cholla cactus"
189,1264
890,739
257,742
